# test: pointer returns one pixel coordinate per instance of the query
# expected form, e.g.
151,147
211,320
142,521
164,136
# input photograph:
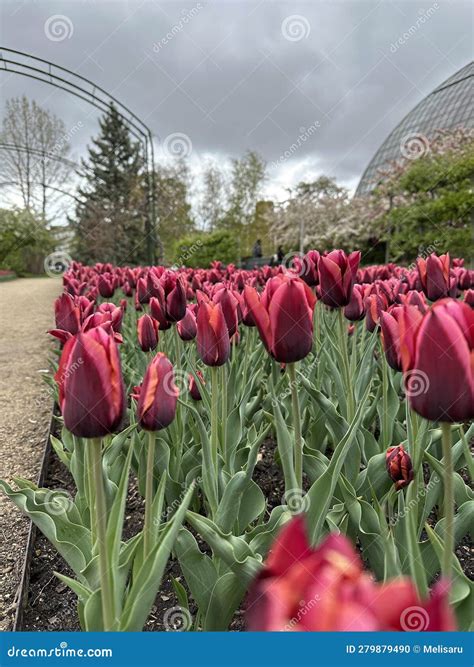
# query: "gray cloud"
224,73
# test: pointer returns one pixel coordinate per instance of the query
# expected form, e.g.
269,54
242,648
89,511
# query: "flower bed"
174,386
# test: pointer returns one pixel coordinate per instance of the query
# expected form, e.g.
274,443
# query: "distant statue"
257,249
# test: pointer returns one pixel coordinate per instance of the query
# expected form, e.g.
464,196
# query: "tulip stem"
295,404
224,412
345,364
214,415
101,525
384,434
448,500
150,469
91,496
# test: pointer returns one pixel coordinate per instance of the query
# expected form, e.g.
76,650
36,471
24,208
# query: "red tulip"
434,276
213,343
355,310
158,395
469,297
158,313
337,274
142,294
284,317
147,330
414,298
375,304
390,335
326,589
106,285
91,391
176,302
187,327
114,313
67,314
399,466
438,360
229,304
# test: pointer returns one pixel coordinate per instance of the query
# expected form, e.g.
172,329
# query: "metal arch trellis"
48,72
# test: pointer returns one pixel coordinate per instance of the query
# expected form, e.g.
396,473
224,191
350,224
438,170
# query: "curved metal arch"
102,100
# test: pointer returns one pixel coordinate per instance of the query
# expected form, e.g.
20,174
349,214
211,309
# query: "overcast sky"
331,78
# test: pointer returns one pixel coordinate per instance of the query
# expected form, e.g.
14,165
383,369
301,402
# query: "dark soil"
51,605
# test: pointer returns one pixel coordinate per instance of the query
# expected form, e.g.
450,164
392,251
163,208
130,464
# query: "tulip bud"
337,274
156,407
176,302
469,297
158,313
106,285
284,317
213,343
390,335
355,310
147,330
67,314
229,304
187,327
437,357
91,390
434,276
399,466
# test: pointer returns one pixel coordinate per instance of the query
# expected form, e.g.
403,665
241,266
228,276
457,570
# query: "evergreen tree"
110,220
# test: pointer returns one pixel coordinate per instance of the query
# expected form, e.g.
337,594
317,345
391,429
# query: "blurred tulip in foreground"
326,589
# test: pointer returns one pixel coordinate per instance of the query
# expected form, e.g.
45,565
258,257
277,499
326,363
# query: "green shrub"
200,249
25,241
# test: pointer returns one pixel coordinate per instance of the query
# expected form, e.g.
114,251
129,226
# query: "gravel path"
26,312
